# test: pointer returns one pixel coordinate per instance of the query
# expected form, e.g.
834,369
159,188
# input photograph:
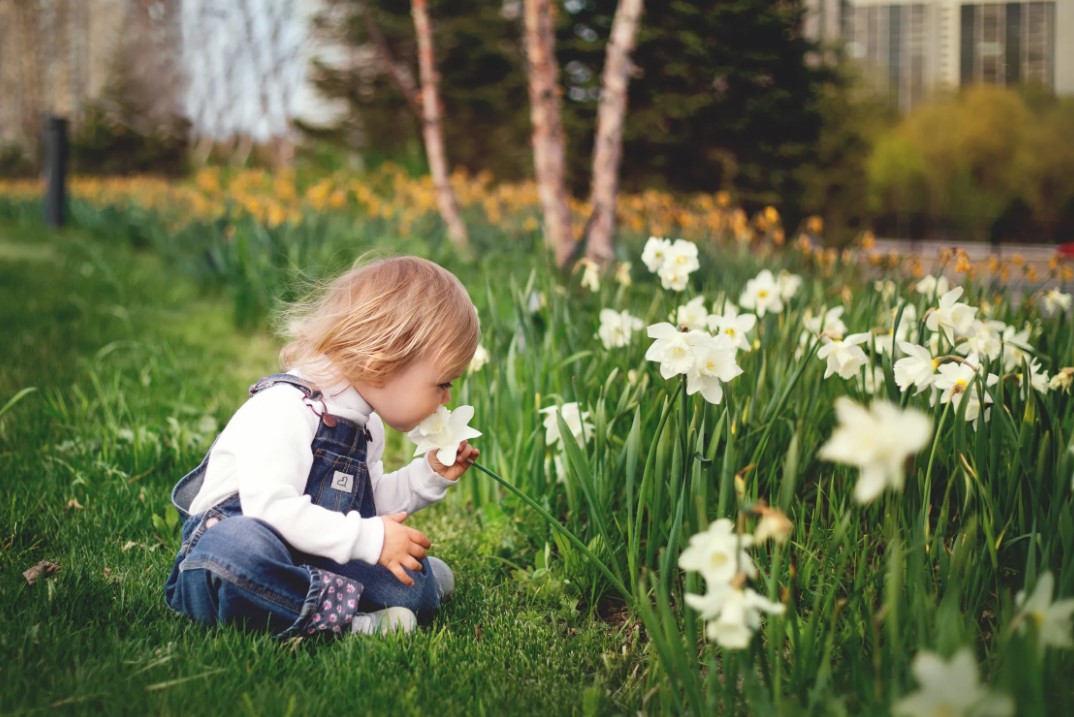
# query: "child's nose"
446,398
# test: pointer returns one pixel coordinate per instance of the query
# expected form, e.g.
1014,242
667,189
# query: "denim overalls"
235,569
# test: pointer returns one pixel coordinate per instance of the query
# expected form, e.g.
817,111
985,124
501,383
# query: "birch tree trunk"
608,144
548,144
430,128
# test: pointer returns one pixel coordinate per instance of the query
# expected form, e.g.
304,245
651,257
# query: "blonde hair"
378,318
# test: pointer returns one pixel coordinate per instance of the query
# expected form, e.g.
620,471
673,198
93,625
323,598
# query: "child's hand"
466,455
403,547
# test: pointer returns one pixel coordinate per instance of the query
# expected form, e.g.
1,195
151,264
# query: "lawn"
735,473
132,369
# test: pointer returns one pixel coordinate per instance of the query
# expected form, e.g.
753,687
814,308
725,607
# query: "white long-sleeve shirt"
264,454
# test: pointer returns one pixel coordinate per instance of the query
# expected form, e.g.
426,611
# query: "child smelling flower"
291,524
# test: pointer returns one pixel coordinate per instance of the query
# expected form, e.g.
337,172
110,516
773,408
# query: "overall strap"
310,393
268,381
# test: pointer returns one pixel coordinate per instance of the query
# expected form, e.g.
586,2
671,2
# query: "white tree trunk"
608,145
430,127
548,144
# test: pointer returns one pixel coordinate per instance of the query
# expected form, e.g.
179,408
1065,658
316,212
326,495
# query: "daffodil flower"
718,553
481,357
616,328
693,315
951,314
734,326
950,689
932,286
1055,302
443,432
672,349
1052,620
844,356
573,416
762,294
878,440
714,365
917,368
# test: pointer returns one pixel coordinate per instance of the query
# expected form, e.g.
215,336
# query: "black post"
56,170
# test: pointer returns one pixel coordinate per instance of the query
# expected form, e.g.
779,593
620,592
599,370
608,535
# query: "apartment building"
907,48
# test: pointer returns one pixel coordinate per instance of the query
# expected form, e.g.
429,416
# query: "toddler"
290,523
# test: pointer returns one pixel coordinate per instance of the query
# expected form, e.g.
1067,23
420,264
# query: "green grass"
134,369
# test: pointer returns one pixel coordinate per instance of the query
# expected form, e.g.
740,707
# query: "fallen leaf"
108,572
73,504
42,568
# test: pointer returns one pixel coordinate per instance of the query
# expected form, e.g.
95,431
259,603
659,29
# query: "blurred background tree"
724,95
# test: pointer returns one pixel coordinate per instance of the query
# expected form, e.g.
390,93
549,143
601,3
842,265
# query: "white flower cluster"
707,361
617,327
673,262
961,376
767,293
732,611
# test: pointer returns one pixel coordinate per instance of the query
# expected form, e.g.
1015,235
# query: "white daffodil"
1062,380
774,525
740,618
950,689
828,323
622,273
762,294
683,256
957,383
673,278
886,288
917,369
951,315
590,274
672,349
1052,620
1016,347
714,365
655,253
719,554
535,302
672,262
734,326
616,328
932,286
481,357
576,420
693,315
844,356
443,432
1055,302
983,338
886,341
957,377
878,440
1038,377
788,284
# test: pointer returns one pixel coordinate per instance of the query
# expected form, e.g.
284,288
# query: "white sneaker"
445,579
391,619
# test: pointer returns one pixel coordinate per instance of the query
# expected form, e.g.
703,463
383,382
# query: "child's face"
410,396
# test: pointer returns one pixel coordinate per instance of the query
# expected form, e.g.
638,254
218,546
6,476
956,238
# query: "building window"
892,42
1008,43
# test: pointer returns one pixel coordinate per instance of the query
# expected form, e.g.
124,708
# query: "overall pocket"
337,482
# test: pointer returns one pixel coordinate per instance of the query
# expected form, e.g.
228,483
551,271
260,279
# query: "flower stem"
615,581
